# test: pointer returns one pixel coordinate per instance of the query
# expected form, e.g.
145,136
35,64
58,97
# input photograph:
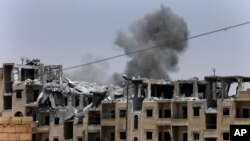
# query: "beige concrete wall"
15,128
1,94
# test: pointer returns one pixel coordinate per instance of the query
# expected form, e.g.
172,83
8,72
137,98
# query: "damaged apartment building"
141,110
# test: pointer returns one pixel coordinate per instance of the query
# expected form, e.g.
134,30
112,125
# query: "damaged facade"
158,110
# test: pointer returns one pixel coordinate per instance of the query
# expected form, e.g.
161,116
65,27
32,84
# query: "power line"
138,51
142,50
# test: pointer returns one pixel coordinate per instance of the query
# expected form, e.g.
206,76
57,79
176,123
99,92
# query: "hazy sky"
68,31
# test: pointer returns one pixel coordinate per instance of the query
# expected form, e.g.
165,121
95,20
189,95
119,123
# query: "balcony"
34,105
163,121
178,120
108,122
42,129
241,120
94,128
210,133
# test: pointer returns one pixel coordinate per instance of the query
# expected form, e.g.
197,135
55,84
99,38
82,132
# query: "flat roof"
227,78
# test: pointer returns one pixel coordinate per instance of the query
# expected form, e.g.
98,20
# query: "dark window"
122,113
226,136
237,112
135,122
68,130
108,111
210,139
18,114
164,136
149,135
90,100
112,136
184,110
211,121
33,137
36,94
186,89
27,74
65,101
77,98
7,100
79,139
7,78
164,113
31,112
196,136
135,139
226,111
122,135
160,113
46,120
18,93
160,136
56,139
245,113
94,117
57,121
149,113
47,139
113,114
196,111
185,137
167,113
167,136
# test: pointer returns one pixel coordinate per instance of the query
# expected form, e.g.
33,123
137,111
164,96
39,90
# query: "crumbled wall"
15,128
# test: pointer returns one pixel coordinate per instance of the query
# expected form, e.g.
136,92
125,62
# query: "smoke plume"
162,29
91,73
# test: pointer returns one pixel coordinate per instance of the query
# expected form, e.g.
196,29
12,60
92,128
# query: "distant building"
158,110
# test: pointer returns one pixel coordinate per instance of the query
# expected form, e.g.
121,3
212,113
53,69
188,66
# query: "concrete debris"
83,111
29,82
89,88
54,92
211,110
32,62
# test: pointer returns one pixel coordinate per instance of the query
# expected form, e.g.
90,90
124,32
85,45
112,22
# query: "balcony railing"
95,121
179,116
108,115
211,126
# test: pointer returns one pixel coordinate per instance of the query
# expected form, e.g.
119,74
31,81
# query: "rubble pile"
53,93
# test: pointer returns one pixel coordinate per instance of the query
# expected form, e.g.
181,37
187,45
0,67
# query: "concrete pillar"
135,88
60,74
172,109
139,90
176,89
223,92
52,118
81,101
240,87
195,89
70,101
149,90
214,91
208,94
155,91
19,74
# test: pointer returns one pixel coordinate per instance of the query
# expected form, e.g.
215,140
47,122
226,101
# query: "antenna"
214,70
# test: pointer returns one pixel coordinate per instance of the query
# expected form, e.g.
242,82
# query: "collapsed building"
141,110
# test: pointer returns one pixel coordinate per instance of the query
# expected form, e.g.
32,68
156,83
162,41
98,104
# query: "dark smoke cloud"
162,29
